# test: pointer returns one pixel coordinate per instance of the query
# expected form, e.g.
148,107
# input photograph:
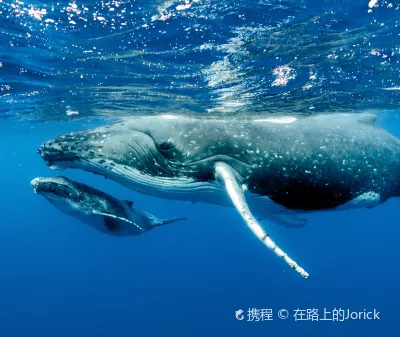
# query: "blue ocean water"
67,66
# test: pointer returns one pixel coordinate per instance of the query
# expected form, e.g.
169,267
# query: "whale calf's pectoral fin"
110,224
227,176
288,220
114,223
111,216
161,222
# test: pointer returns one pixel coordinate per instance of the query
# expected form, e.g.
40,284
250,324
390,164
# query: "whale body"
101,211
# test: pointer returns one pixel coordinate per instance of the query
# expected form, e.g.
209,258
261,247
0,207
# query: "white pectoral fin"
225,174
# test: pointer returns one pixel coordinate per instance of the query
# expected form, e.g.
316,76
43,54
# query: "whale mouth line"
66,159
56,189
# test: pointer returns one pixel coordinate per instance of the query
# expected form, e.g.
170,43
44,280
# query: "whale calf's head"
68,195
58,187
71,196
65,194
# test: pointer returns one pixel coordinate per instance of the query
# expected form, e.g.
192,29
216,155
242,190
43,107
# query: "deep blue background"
60,278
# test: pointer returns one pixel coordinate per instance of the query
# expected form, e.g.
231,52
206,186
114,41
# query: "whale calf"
266,167
96,208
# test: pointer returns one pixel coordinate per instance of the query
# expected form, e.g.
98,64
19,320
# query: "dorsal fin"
367,118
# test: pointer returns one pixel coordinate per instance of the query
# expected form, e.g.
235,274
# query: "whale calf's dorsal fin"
129,203
114,223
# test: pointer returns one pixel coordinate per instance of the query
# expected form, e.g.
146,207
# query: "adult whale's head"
167,156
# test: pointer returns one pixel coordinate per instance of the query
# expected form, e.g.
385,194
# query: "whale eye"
169,150
166,146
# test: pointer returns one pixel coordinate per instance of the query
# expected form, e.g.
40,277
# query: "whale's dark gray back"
315,165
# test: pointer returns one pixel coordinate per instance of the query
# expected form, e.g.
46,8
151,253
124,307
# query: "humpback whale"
96,208
270,168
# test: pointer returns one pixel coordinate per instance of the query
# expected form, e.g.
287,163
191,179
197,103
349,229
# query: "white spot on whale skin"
277,120
169,117
392,88
368,199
